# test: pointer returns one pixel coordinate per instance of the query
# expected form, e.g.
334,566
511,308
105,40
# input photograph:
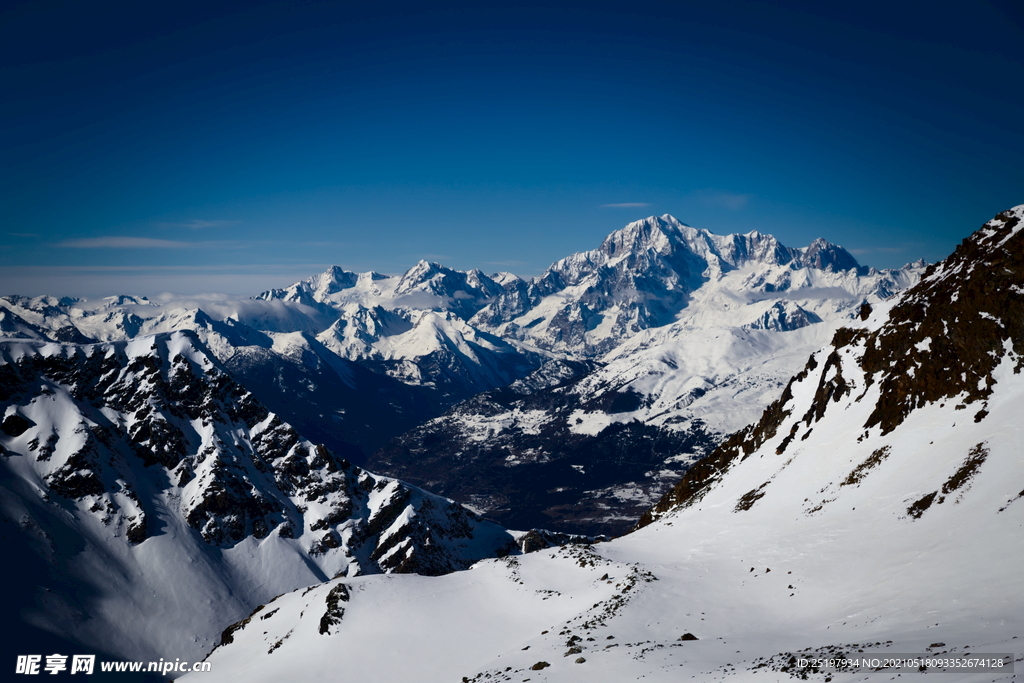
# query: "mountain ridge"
153,457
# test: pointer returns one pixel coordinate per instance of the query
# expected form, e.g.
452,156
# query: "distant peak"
669,218
422,267
824,255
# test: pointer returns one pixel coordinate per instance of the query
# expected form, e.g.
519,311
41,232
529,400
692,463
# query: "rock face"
149,452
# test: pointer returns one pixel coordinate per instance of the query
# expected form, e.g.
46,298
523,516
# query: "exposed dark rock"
749,498
541,539
334,613
967,470
949,332
15,425
861,470
918,507
228,635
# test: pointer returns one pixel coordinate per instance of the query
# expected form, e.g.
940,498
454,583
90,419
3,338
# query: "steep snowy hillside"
160,498
876,507
591,453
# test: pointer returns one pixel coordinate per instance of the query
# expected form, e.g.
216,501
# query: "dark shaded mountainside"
532,470
941,343
117,427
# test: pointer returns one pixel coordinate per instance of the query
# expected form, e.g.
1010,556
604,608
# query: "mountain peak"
649,233
824,255
420,273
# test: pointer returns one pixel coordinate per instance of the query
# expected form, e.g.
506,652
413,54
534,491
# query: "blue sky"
231,147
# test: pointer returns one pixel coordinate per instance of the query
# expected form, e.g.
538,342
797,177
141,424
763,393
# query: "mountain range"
193,459
659,324
874,509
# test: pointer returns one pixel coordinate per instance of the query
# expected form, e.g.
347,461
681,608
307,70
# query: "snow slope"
876,506
160,498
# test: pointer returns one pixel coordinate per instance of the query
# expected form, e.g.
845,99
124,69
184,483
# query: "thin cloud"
92,282
626,205
124,243
199,224
732,201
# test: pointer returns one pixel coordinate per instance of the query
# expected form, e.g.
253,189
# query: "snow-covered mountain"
413,327
350,359
174,440
875,507
424,286
151,497
592,451
686,334
645,276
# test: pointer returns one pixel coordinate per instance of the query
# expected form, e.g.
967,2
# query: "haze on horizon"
244,146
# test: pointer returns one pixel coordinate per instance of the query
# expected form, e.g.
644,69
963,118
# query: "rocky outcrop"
940,343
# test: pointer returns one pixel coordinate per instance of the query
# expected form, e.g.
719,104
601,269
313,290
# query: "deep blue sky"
230,147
